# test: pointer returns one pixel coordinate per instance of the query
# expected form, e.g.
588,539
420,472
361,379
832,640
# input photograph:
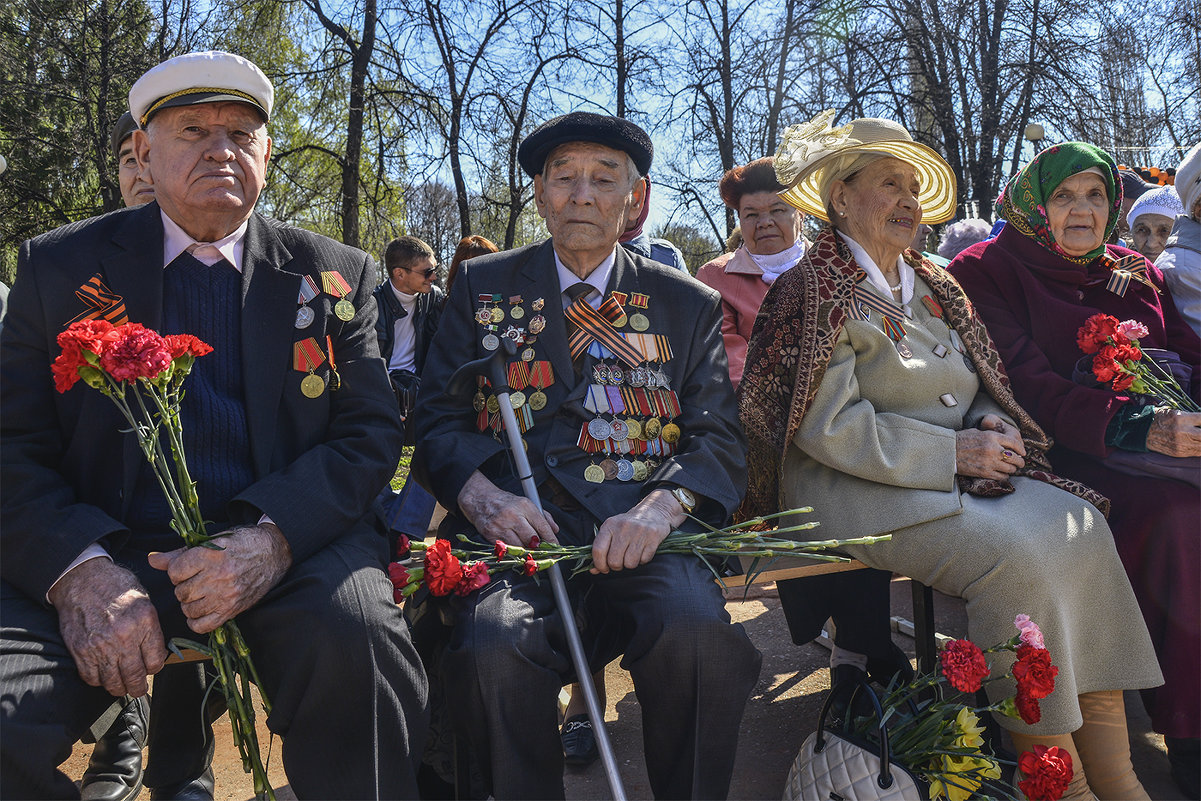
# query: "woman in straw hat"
1048,271
873,393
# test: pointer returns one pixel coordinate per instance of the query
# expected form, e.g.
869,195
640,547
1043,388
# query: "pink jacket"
740,282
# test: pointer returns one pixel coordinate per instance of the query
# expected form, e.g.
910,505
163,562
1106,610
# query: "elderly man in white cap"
288,460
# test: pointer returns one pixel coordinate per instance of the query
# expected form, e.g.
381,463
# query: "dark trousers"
331,646
857,600
693,672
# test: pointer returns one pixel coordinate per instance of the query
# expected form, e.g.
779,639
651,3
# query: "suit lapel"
134,271
269,299
543,282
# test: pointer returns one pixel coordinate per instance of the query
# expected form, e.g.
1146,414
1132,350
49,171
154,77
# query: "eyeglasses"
429,272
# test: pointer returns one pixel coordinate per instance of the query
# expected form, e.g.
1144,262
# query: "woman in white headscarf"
1181,257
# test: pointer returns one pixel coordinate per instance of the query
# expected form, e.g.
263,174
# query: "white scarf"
774,265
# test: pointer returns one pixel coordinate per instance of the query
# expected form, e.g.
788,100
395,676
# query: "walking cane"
461,383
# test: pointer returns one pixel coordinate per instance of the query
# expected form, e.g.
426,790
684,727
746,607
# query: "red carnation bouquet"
1119,360
940,738
143,374
444,569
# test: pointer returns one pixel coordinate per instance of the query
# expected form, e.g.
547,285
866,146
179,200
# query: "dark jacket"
427,312
68,471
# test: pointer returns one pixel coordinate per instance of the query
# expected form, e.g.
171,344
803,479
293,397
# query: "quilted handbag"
839,766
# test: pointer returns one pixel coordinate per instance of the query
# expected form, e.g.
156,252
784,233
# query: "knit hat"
1188,178
1162,200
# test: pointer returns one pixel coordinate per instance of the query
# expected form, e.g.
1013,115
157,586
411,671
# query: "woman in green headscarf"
1034,286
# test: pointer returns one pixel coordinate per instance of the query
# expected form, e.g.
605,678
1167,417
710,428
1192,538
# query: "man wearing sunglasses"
410,307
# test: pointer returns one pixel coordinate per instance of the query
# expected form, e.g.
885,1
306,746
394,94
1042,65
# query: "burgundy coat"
1033,301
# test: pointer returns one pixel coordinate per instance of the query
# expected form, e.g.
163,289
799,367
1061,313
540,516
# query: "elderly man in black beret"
288,460
631,427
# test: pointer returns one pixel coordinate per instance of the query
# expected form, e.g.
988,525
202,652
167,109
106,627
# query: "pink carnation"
1132,329
1029,632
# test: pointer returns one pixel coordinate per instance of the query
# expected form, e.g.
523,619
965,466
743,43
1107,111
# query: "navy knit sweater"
206,302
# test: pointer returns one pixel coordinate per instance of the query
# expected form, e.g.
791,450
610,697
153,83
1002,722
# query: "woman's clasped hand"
994,450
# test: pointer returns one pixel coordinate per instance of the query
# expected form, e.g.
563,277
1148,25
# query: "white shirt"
404,334
598,279
876,275
175,241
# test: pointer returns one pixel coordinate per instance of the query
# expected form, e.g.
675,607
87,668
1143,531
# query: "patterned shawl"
1023,201
794,336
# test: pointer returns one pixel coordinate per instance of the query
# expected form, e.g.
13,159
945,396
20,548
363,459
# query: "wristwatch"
686,499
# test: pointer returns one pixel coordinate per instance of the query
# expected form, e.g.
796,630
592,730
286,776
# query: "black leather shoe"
198,789
115,770
1184,756
579,741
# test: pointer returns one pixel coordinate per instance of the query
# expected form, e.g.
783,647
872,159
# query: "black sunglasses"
429,272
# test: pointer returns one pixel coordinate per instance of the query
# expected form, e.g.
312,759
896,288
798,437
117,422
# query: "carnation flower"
1027,708
78,341
1048,772
137,353
475,576
398,574
535,541
500,549
186,345
1029,632
443,571
403,545
1132,329
964,666
530,567
1096,331
1033,672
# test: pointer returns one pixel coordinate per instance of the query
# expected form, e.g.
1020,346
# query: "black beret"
122,129
584,126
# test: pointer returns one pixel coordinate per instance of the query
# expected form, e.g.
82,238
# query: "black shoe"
579,741
115,770
1184,755
198,789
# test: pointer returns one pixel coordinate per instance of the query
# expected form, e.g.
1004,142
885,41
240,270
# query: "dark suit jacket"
710,457
67,472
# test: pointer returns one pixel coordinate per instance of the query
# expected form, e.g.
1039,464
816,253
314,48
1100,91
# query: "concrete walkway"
782,712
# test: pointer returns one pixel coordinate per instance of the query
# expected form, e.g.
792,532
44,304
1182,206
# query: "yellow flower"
968,730
960,777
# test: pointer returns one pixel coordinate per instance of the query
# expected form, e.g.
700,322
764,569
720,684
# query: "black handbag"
841,766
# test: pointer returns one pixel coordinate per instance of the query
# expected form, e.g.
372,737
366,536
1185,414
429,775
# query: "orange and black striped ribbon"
334,284
591,325
102,303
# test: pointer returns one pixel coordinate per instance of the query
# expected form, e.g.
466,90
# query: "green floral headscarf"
1023,201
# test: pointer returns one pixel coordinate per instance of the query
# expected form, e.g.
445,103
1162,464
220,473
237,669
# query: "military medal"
609,469
483,316
633,428
904,349
652,428
335,380
640,471
527,355
625,470
670,433
537,324
478,401
491,342
308,291
541,377
517,399
598,429
594,474
639,322
516,312
334,284
538,401
492,404
618,431
538,304
497,315
307,357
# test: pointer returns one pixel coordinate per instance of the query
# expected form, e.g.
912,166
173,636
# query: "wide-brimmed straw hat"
809,148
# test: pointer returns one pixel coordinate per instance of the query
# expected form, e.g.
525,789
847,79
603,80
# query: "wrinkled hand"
1175,433
631,539
109,626
995,450
500,515
214,586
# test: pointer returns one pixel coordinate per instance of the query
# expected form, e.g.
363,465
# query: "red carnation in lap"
1034,673
964,666
443,571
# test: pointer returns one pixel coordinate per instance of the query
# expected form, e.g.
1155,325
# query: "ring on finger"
1006,454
